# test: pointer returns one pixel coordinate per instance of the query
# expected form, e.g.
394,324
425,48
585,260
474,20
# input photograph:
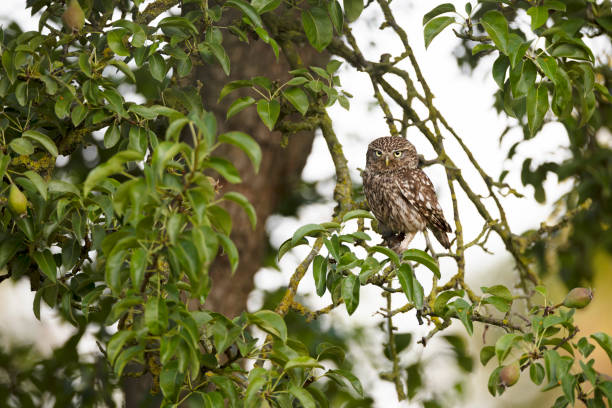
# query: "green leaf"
554,5
306,400
537,106
157,67
463,310
318,27
287,245
44,140
352,9
125,357
357,214
298,99
170,379
121,307
499,291
422,258
156,315
302,362
123,67
112,271
84,64
115,38
435,27
486,354
230,250
493,385
296,81
350,292
247,10
115,101
496,26
410,285
335,13
352,379
219,53
243,202
539,15
78,114
443,298
21,93
264,6
246,143
232,86
111,136
220,218
517,49
441,9
522,78
268,111
568,383
116,343
224,168
138,265
605,342
221,336
46,264
257,379
500,304
21,146
575,50
181,23
333,246
9,65
38,182
112,166
585,347
174,129
308,230
386,251
330,351
319,271
271,322
504,345
482,47
536,373
238,105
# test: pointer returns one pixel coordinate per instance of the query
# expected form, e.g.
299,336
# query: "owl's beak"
387,161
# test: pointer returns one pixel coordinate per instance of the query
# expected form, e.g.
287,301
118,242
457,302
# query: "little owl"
400,195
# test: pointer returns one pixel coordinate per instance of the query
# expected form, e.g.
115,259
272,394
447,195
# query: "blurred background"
464,95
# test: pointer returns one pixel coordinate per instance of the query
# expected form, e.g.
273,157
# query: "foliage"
130,240
551,52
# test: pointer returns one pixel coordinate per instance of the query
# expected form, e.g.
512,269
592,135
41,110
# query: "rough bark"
280,169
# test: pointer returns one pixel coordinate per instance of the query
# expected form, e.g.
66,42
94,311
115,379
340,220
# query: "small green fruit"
578,298
17,200
73,17
510,374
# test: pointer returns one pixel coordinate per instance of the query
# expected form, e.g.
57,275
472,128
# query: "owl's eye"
397,154
378,153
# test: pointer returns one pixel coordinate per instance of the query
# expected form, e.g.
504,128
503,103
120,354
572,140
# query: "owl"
400,195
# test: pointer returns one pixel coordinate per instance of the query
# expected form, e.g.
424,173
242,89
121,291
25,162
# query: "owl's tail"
442,237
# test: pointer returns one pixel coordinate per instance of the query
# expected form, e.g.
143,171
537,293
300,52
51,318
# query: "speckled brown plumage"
400,195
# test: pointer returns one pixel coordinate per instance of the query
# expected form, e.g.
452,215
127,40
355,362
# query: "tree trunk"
280,170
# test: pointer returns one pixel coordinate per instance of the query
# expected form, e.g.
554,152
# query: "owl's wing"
417,189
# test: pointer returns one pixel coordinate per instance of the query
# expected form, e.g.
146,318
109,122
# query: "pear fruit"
17,200
510,374
578,298
73,17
